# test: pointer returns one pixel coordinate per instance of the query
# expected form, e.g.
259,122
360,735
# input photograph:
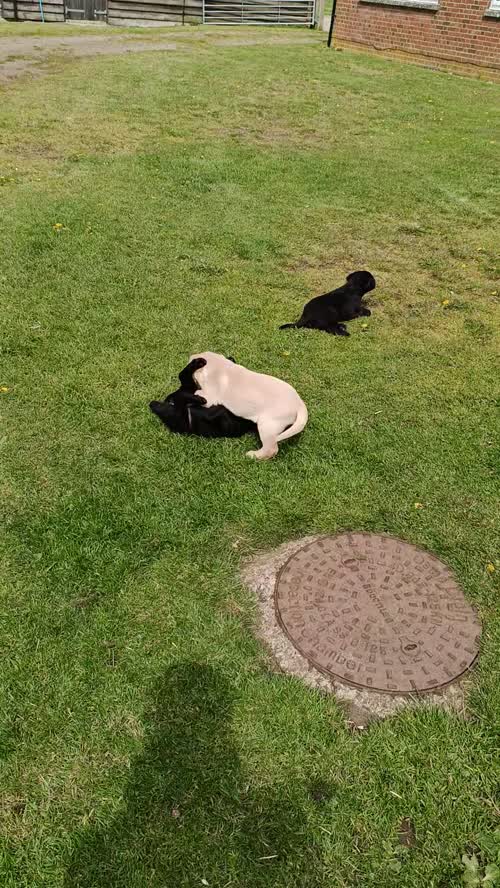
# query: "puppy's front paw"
263,453
199,394
197,364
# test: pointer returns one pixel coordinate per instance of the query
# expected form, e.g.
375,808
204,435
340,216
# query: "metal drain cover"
377,613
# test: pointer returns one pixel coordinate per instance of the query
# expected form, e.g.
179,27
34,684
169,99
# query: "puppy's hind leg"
338,330
268,428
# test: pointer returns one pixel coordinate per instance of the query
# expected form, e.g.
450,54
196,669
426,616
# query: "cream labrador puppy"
271,403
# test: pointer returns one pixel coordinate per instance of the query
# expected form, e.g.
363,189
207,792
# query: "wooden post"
319,14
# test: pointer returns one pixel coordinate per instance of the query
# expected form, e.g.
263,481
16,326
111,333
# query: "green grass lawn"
205,194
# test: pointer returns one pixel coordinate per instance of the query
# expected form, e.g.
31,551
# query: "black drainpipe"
332,20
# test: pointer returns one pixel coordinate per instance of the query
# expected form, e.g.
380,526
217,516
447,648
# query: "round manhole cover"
377,613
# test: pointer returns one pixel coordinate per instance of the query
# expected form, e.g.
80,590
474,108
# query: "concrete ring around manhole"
377,620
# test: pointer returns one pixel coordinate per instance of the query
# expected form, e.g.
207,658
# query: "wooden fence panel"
133,11
29,10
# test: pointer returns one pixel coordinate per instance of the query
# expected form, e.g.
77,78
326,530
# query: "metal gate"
259,12
91,10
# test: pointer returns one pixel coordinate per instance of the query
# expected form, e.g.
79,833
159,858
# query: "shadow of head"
188,812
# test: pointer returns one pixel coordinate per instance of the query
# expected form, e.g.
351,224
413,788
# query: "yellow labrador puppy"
269,402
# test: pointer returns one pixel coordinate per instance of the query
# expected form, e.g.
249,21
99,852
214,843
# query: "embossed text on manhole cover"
377,613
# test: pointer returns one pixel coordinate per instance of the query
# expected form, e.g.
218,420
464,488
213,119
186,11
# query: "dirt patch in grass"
13,68
79,47
273,135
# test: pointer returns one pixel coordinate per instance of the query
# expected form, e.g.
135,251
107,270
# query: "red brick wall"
458,30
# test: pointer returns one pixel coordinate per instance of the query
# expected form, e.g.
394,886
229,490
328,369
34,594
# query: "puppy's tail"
286,326
298,425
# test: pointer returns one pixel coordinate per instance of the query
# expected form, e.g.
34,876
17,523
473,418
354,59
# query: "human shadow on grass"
189,818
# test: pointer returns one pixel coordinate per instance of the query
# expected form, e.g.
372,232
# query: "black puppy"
343,304
184,412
